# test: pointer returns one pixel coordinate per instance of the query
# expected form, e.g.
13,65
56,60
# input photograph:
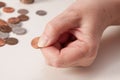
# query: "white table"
22,62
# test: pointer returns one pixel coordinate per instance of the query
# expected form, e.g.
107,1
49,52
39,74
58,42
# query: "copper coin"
34,42
3,23
2,4
23,11
2,42
13,20
27,1
8,9
11,41
5,29
23,18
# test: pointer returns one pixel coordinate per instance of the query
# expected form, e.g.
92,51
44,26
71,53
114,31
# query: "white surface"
22,62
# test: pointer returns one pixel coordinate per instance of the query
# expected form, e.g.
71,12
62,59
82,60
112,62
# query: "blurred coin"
3,23
23,17
11,41
8,9
19,30
4,35
5,29
34,42
13,20
15,25
27,1
2,42
41,12
23,11
2,4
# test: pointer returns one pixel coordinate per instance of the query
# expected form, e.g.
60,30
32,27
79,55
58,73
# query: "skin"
73,37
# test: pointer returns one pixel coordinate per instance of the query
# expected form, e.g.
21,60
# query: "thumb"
55,28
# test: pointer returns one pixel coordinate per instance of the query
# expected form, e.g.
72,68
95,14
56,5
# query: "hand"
73,37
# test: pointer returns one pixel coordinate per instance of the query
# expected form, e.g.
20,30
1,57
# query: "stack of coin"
27,1
4,34
14,24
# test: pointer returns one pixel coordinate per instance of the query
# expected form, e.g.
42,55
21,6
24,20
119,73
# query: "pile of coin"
14,24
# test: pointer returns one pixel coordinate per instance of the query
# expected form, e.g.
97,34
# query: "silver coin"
4,35
15,25
19,30
41,12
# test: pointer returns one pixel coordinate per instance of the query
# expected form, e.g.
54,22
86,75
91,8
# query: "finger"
67,56
56,27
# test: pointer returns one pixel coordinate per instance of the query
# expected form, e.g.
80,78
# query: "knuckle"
57,63
52,27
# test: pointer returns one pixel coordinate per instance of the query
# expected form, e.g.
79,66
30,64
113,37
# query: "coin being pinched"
34,42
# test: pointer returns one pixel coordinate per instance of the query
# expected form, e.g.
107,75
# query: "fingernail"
43,41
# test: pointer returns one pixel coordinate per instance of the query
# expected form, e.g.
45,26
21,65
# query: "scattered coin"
4,35
5,29
23,18
34,42
2,42
19,30
14,20
2,4
15,25
41,12
3,23
11,41
23,11
8,9
27,1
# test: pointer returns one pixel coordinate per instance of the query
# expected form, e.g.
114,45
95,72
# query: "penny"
2,4
8,9
2,42
11,41
4,35
41,12
13,20
27,1
34,42
5,29
19,30
23,11
3,23
23,18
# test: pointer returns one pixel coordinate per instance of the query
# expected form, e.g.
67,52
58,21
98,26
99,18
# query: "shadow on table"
108,54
